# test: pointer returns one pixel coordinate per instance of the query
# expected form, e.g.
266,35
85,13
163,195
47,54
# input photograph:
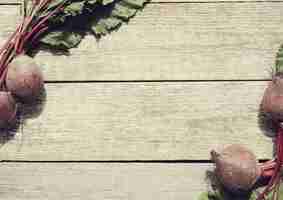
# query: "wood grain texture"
10,2
90,181
8,20
141,121
196,41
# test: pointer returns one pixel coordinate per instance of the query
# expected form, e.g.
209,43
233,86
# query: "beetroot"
272,106
236,168
272,101
24,78
239,171
8,109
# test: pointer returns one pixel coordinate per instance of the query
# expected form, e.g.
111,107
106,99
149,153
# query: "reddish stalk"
36,35
26,34
38,27
272,170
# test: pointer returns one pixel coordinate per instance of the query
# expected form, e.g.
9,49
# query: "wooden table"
135,115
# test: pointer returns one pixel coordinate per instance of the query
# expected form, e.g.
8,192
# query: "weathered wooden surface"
180,42
190,42
118,121
8,2
88,181
141,121
8,19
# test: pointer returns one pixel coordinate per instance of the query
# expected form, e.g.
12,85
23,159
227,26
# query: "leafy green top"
98,16
279,60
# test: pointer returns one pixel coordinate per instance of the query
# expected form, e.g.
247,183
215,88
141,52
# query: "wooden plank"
176,42
10,2
141,121
8,21
110,181
195,41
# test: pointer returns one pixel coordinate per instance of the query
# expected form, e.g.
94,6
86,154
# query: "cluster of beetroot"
237,167
20,78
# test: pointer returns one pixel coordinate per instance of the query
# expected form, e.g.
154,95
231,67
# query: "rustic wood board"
9,2
112,181
194,41
120,121
8,20
141,121
203,41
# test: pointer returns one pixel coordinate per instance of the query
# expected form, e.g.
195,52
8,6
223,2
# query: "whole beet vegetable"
236,167
272,101
24,78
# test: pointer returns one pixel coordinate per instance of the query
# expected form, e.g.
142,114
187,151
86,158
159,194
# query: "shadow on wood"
216,191
26,110
267,126
35,107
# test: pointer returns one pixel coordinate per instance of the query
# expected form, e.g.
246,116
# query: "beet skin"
272,101
8,109
24,78
236,168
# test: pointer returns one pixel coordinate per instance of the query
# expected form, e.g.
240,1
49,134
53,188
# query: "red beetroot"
24,78
8,109
238,170
272,101
236,167
272,106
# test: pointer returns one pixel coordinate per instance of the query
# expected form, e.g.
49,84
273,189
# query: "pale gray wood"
9,2
111,181
141,121
9,19
179,42
175,42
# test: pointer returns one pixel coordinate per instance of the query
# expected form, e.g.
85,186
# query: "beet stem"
26,33
273,169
